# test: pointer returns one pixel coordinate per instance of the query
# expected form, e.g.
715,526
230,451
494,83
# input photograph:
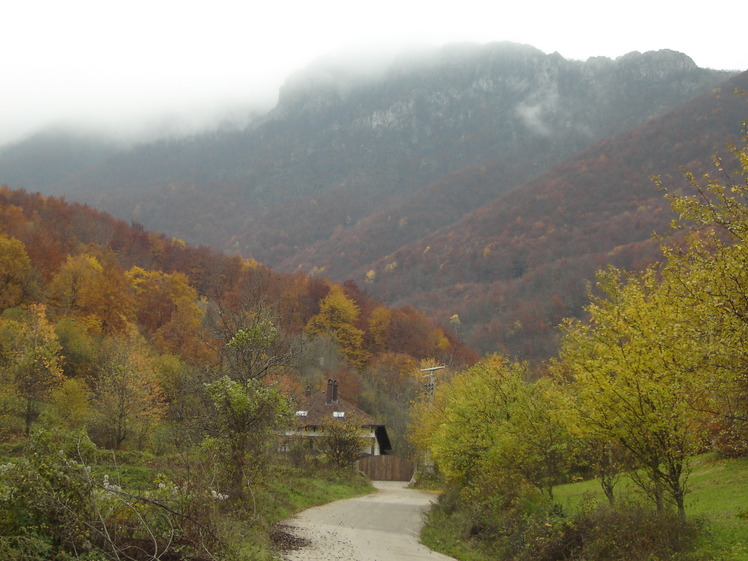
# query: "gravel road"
383,526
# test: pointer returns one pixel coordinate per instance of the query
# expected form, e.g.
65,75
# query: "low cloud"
539,111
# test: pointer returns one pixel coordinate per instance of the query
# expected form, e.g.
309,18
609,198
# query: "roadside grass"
718,501
718,497
448,534
291,490
284,491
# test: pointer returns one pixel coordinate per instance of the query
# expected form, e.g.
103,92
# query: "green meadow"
718,498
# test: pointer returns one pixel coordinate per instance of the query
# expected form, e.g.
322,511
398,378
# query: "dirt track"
383,526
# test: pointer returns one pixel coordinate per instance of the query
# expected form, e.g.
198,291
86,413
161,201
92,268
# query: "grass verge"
291,490
718,496
718,502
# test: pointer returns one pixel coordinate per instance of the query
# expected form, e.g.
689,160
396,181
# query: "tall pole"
431,384
430,388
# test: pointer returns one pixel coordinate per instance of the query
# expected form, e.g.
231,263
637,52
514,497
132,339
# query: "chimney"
308,392
335,391
328,400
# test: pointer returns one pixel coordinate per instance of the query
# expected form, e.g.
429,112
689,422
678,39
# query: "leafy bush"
342,442
51,506
534,531
628,531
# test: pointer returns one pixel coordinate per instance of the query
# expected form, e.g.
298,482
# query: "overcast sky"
138,65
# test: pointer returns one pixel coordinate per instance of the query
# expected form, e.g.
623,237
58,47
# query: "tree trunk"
680,503
608,484
658,497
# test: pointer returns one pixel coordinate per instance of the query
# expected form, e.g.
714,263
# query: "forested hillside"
369,177
115,301
340,147
116,342
513,269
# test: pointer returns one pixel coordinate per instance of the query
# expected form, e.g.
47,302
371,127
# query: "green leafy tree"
342,441
636,371
71,402
54,506
252,343
128,401
78,348
29,352
489,421
534,443
247,417
456,425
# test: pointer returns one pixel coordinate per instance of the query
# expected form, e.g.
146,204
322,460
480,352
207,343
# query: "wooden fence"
386,468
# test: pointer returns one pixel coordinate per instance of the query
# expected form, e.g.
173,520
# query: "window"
338,414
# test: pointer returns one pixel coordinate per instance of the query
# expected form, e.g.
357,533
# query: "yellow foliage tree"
84,288
710,279
637,371
379,329
15,272
168,309
29,353
337,319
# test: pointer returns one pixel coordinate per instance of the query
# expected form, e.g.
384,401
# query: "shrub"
523,529
342,442
51,506
628,531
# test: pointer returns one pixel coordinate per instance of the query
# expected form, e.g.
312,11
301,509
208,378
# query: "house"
317,409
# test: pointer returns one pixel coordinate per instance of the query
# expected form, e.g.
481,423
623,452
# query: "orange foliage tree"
167,308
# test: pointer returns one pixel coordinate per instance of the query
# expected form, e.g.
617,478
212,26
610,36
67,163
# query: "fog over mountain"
97,66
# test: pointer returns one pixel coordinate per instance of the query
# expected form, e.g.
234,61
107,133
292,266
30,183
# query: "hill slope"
513,268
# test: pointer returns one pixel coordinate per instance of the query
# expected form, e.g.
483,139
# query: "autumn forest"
131,337
98,292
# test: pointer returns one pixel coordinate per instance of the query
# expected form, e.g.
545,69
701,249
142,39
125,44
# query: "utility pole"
430,388
430,385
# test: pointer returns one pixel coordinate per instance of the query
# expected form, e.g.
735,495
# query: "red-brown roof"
319,410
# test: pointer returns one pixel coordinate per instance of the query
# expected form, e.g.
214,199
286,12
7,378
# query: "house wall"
371,448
